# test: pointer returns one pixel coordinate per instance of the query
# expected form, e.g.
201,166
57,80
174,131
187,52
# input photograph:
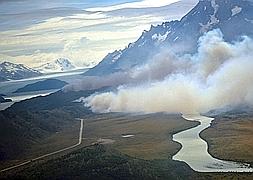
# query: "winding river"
194,150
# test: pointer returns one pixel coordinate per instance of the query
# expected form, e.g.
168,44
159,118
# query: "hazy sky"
33,32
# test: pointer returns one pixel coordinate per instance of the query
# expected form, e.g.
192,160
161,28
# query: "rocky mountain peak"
233,17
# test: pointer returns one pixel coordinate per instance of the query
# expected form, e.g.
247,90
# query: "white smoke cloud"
160,66
93,82
218,75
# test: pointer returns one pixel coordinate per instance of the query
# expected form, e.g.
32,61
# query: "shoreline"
205,138
195,152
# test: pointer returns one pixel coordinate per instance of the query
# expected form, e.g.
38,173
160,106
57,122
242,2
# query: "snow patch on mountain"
117,56
160,38
213,20
13,68
142,44
249,20
59,65
236,10
11,71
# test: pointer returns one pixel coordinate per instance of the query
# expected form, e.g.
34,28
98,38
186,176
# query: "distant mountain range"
59,65
233,17
11,71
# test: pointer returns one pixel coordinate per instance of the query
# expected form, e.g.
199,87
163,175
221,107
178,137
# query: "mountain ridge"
233,17
58,65
11,71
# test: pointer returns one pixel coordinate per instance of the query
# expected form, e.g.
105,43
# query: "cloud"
218,76
44,39
139,4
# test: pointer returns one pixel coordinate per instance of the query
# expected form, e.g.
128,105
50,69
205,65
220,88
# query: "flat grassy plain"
231,138
152,133
146,155
152,136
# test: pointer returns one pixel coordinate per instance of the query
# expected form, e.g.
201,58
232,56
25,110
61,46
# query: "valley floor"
150,135
230,137
147,154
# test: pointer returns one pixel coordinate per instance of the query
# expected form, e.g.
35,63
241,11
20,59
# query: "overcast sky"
34,32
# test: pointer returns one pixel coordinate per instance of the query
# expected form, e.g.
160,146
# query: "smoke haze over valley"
199,63
217,76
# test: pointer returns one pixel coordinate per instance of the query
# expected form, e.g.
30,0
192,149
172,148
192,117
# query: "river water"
9,87
23,96
194,150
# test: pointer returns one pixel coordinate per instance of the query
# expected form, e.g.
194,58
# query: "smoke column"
218,75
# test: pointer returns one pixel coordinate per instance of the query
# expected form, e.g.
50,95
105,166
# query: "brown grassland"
152,133
228,138
231,138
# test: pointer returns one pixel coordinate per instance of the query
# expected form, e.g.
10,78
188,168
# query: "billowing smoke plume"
93,82
218,75
156,69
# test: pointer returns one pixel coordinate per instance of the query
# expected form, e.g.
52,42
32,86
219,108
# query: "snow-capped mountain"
233,17
59,65
11,71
